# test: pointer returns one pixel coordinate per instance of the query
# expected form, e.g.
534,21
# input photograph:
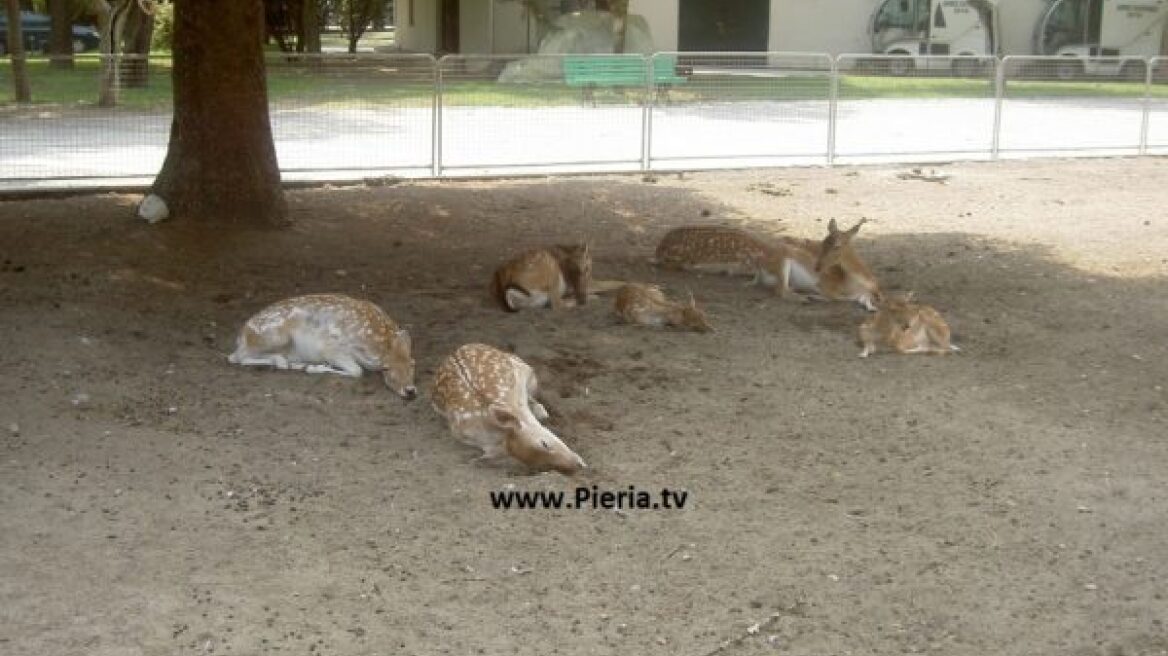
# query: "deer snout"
409,393
573,465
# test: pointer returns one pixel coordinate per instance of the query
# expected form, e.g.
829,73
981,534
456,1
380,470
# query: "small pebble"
1090,586
14,428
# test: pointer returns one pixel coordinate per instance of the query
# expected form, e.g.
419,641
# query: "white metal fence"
350,117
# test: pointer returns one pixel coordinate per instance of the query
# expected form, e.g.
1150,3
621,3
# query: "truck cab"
1101,37
929,34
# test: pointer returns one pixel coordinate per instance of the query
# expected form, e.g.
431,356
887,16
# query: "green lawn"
363,82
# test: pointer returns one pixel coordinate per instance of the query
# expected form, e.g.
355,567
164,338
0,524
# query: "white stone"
153,209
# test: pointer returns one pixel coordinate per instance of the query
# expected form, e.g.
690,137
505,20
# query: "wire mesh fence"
893,107
97,122
366,115
738,109
91,119
1065,105
516,113
1156,124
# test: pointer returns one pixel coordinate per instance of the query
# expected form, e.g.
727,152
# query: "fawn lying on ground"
646,305
906,327
488,399
542,277
328,333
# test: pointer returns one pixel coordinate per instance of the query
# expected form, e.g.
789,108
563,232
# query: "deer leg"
344,365
271,359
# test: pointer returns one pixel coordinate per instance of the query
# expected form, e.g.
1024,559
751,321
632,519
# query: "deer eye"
545,445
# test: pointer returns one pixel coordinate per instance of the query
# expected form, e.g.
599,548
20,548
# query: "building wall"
1018,19
422,34
831,26
511,29
662,17
474,26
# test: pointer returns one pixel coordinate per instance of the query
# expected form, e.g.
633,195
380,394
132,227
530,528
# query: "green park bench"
621,72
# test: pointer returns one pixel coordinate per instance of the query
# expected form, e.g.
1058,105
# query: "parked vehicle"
947,35
1101,37
37,29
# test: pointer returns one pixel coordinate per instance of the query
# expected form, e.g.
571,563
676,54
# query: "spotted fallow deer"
488,399
646,305
328,333
543,277
905,327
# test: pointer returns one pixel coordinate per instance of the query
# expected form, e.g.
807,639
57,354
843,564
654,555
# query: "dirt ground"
1008,500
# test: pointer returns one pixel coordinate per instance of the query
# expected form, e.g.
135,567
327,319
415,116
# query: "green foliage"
163,35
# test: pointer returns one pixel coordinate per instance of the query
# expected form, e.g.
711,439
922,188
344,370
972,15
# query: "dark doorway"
724,25
448,26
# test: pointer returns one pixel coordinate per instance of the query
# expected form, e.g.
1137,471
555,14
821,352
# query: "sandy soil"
1008,500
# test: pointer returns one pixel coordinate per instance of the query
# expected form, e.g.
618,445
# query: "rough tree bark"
309,37
221,165
21,91
135,42
61,34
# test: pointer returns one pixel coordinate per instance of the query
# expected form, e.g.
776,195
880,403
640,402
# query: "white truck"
945,35
1101,37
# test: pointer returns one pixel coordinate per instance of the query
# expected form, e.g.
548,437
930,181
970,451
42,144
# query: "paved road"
95,147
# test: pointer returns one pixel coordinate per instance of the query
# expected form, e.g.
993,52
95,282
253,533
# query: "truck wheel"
900,65
1068,70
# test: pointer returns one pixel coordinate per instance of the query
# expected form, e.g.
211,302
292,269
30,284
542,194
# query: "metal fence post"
1145,121
647,113
999,97
832,107
436,120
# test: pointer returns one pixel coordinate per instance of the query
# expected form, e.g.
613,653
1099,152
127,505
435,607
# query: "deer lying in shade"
328,333
646,305
543,277
905,327
828,269
488,399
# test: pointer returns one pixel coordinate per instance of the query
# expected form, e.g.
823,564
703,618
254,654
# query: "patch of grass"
362,83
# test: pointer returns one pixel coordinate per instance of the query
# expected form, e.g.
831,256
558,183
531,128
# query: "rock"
153,209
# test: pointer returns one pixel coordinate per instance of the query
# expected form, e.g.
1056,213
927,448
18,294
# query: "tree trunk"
221,163
61,36
310,26
107,85
21,91
136,37
620,9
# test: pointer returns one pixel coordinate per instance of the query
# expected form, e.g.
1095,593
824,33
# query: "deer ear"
856,228
504,418
832,227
